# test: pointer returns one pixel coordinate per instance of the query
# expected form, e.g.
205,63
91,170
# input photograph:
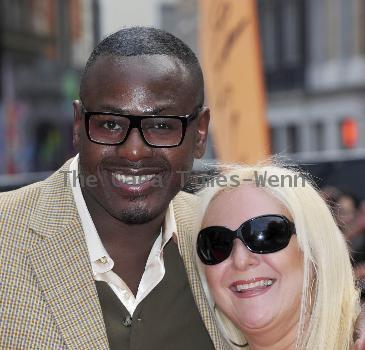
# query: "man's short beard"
137,216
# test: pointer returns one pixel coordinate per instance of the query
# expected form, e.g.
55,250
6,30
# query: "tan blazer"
48,298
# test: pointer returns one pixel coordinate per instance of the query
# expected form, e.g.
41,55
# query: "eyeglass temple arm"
194,114
292,227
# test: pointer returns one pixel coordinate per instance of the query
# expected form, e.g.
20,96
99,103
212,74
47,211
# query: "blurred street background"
282,77
313,54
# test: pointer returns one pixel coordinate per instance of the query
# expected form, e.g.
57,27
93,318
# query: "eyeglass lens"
157,131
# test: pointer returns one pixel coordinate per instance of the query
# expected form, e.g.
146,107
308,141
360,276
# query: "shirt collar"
99,257
169,227
100,260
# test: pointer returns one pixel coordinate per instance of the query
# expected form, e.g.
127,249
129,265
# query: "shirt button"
103,260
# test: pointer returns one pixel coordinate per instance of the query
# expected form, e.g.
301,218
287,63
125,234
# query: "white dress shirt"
102,264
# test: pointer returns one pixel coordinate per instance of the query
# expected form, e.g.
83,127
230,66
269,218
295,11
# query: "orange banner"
232,65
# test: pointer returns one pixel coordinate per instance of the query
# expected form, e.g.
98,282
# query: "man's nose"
242,258
134,148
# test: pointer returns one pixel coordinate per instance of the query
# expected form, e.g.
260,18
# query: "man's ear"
77,124
202,132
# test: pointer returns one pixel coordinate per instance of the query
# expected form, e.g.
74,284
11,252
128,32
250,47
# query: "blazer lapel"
61,264
185,210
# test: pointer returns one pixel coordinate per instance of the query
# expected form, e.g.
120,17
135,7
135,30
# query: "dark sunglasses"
261,235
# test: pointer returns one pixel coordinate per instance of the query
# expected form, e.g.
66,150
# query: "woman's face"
258,307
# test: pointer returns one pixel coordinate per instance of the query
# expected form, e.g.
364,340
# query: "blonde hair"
330,300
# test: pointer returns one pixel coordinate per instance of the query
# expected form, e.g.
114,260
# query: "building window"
348,128
348,26
291,47
317,32
292,139
268,29
282,32
275,140
319,136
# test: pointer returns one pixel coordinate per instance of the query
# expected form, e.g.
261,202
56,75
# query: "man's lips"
135,172
136,180
133,180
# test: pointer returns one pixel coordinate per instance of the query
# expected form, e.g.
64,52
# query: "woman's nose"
243,258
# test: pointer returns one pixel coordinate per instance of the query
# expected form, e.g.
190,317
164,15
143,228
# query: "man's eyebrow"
115,109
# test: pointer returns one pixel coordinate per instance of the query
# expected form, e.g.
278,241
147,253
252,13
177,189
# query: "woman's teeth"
133,179
246,286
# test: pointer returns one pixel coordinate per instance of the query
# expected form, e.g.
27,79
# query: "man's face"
136,182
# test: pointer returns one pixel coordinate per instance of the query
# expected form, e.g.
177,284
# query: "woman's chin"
254,325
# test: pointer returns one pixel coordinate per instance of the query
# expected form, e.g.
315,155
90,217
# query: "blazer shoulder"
186,205
28,195
36,208
19,207
185,199
19,198
16,208
187,210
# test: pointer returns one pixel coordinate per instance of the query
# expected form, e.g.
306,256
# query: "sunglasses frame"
239,233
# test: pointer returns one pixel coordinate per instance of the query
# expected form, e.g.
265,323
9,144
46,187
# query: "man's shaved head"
138,41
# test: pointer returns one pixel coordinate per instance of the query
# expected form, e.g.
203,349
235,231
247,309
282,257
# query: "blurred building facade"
314,61
180,17
314,57
115,14
44,46
314,65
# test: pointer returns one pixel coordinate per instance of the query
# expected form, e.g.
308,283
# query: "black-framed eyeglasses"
261,235
109,128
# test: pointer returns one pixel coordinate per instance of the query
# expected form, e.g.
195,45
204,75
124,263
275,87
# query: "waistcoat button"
127,322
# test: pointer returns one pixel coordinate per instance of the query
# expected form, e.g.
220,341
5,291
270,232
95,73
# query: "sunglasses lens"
214,245
261,235
267,234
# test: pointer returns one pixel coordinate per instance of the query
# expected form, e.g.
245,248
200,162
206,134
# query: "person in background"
274,265
344,205
349,213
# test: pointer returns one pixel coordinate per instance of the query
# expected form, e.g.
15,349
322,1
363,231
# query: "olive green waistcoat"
167,318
